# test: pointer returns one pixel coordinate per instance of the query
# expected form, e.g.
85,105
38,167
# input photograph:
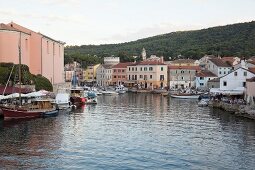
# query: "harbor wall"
247,111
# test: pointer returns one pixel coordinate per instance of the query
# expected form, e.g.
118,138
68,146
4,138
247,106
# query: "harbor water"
130,131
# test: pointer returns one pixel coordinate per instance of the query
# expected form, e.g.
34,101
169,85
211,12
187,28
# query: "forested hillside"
229,40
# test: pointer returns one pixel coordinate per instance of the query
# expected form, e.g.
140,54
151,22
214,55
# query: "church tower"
143,54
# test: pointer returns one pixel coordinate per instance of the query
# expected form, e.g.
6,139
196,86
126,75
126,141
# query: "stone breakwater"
237,109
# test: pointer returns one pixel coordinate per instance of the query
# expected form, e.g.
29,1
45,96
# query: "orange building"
42,54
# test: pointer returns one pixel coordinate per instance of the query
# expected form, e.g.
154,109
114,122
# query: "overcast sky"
79,22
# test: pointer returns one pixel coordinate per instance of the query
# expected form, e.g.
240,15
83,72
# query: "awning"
133,82
237,91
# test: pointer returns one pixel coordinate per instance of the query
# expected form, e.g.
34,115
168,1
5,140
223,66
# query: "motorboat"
77,96
121,89
108,92
62,100
91,97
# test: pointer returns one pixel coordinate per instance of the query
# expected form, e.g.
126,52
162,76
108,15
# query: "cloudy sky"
79,22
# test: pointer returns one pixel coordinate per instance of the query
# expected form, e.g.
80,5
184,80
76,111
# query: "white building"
236,79
219,67
104,75
248,64
182,76
111,60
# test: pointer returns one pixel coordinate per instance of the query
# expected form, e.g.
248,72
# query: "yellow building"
90,74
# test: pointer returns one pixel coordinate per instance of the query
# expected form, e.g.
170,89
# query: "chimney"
162,59
243,63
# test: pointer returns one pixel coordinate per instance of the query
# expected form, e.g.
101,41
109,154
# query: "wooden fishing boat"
185,96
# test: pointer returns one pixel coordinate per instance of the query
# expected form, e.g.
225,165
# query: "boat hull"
78,101
19,114
184,96
50,113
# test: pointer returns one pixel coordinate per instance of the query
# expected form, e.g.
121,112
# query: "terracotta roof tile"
7,27
107,66
184,67
220,63
204,73
251,79
181,61
122,65
252,69
150,62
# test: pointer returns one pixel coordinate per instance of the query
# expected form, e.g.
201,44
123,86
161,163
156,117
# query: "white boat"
121,89
95,90
63,100
202,103
185,96
110,93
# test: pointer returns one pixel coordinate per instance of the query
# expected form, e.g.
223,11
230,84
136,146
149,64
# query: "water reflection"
131,131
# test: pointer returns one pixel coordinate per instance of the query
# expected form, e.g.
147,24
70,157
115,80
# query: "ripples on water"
131,131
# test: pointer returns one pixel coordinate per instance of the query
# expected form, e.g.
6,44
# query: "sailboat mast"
20,68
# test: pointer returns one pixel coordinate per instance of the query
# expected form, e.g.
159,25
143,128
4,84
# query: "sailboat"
36,107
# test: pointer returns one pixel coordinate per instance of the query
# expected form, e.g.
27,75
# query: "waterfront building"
70,68
152,74
131,75
202,77
182,76
250,90
213,83
90,74
42,54
235,82
219,67
119,74
104,75
148,74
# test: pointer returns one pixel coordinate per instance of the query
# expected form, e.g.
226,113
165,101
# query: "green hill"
229,40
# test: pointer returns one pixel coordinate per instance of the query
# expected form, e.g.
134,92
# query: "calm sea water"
130,131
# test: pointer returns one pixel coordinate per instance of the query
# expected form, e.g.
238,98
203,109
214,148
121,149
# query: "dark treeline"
40,82
230,40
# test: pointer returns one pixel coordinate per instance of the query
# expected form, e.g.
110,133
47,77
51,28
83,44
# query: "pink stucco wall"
42,54
9,51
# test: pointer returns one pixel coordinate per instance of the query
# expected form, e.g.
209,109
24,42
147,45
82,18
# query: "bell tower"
143,54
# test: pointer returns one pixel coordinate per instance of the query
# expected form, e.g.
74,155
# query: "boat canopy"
40,93
237,91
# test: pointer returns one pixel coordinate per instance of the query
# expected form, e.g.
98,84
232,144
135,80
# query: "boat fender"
73,106
1,113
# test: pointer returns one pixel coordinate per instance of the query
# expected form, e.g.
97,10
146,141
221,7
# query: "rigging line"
8,79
